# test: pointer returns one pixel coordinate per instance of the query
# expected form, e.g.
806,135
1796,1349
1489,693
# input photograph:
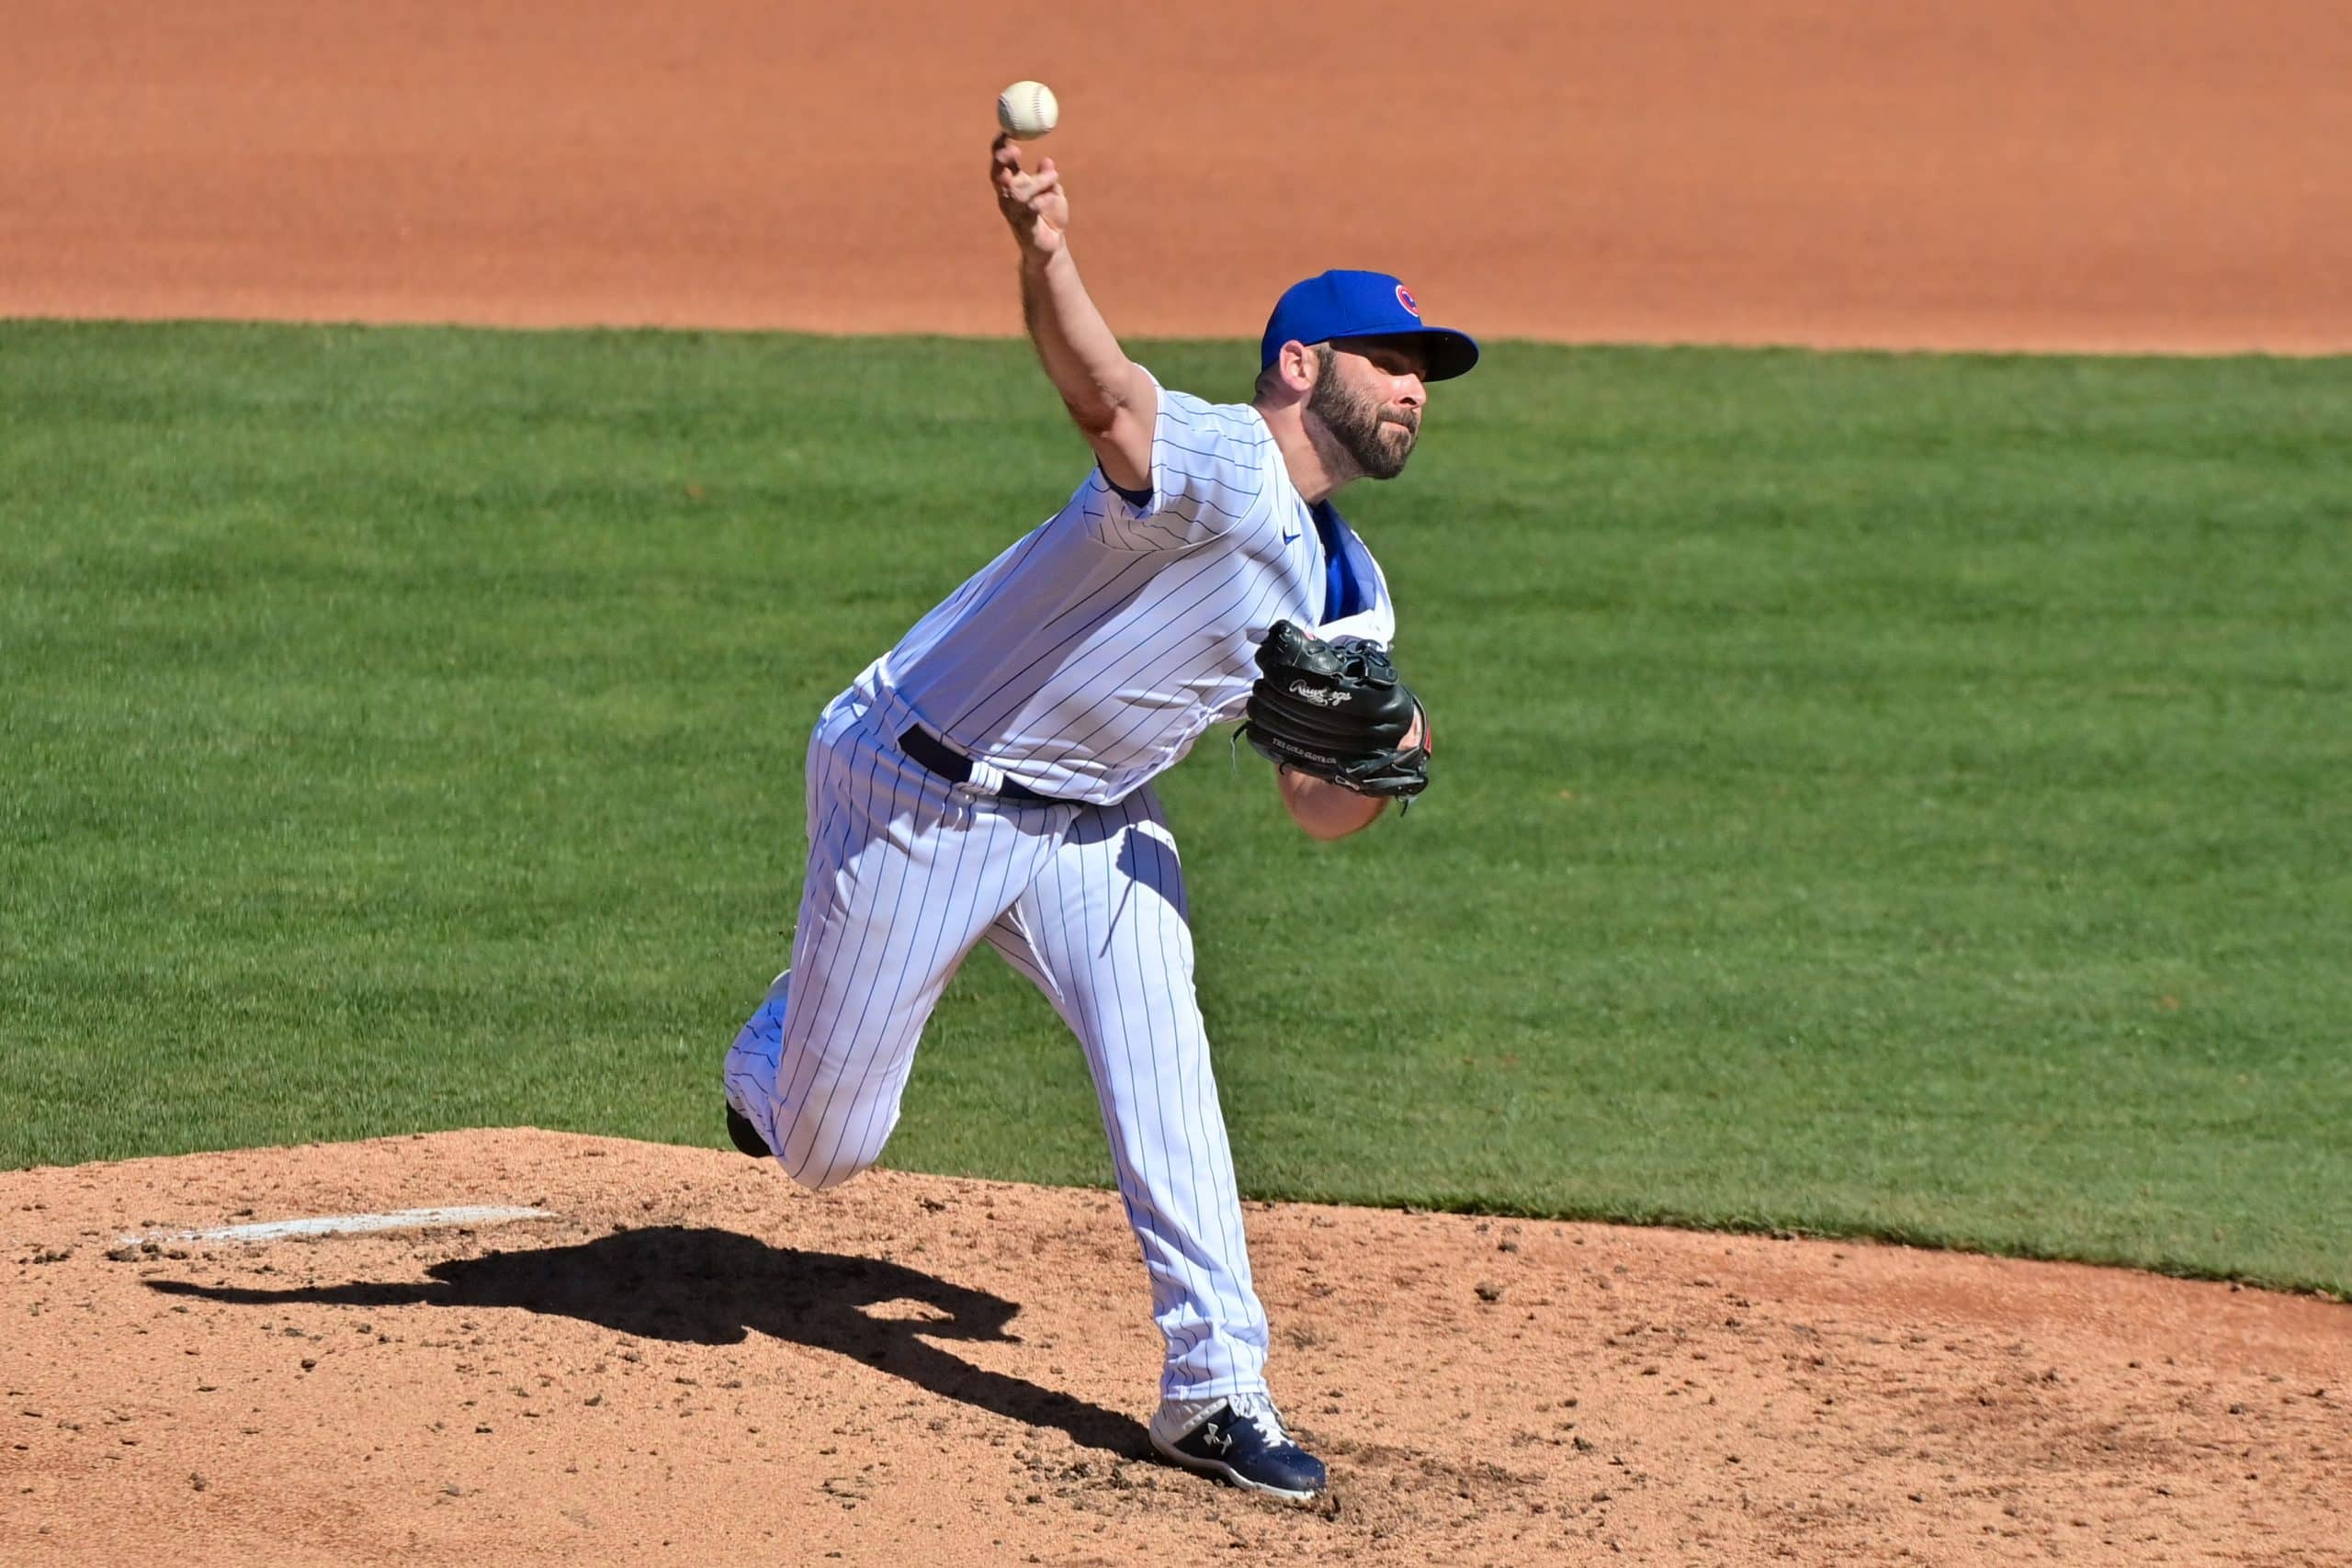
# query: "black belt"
956,768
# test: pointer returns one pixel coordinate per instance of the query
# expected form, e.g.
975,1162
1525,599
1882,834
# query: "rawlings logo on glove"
1337,711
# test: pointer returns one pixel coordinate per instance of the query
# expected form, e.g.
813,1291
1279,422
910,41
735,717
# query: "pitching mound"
688,1359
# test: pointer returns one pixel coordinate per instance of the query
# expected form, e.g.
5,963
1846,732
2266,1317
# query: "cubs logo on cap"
1342,304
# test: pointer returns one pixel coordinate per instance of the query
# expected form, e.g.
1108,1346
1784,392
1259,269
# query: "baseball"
1027,110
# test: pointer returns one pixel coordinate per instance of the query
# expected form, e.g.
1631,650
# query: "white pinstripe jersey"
1093,653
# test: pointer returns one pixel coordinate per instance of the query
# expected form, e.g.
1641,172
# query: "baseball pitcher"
989,779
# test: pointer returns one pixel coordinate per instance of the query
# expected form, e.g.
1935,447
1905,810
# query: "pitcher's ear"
1302,366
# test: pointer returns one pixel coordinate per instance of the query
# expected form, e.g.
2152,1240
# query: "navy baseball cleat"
753,1058
747,1137
1240,1439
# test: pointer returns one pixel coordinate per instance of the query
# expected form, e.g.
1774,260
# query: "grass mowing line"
1881,794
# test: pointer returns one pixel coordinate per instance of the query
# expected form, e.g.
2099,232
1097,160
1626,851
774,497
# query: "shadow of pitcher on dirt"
714,1287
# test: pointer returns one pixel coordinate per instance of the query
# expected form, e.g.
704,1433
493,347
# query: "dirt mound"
689,1359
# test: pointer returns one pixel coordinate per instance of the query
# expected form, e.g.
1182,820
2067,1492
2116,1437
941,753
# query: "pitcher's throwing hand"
1033,204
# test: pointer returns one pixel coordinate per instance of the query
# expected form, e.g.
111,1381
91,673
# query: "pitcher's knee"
818,1160
818,1178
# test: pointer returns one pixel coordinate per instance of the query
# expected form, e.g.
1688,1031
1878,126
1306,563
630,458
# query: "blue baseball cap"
1362,304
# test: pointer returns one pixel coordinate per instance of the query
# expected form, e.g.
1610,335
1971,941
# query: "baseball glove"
1336,710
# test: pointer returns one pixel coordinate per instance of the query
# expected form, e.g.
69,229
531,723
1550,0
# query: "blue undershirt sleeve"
1138,499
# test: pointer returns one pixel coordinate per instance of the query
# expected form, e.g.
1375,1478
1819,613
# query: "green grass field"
1890,795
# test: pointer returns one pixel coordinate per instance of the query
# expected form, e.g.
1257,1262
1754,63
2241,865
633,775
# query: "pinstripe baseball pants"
908,872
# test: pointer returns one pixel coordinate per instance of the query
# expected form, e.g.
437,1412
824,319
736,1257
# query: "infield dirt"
2040,174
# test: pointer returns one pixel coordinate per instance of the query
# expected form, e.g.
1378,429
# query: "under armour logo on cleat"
1214,1441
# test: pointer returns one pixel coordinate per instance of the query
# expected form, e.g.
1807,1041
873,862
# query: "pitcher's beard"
1376,442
